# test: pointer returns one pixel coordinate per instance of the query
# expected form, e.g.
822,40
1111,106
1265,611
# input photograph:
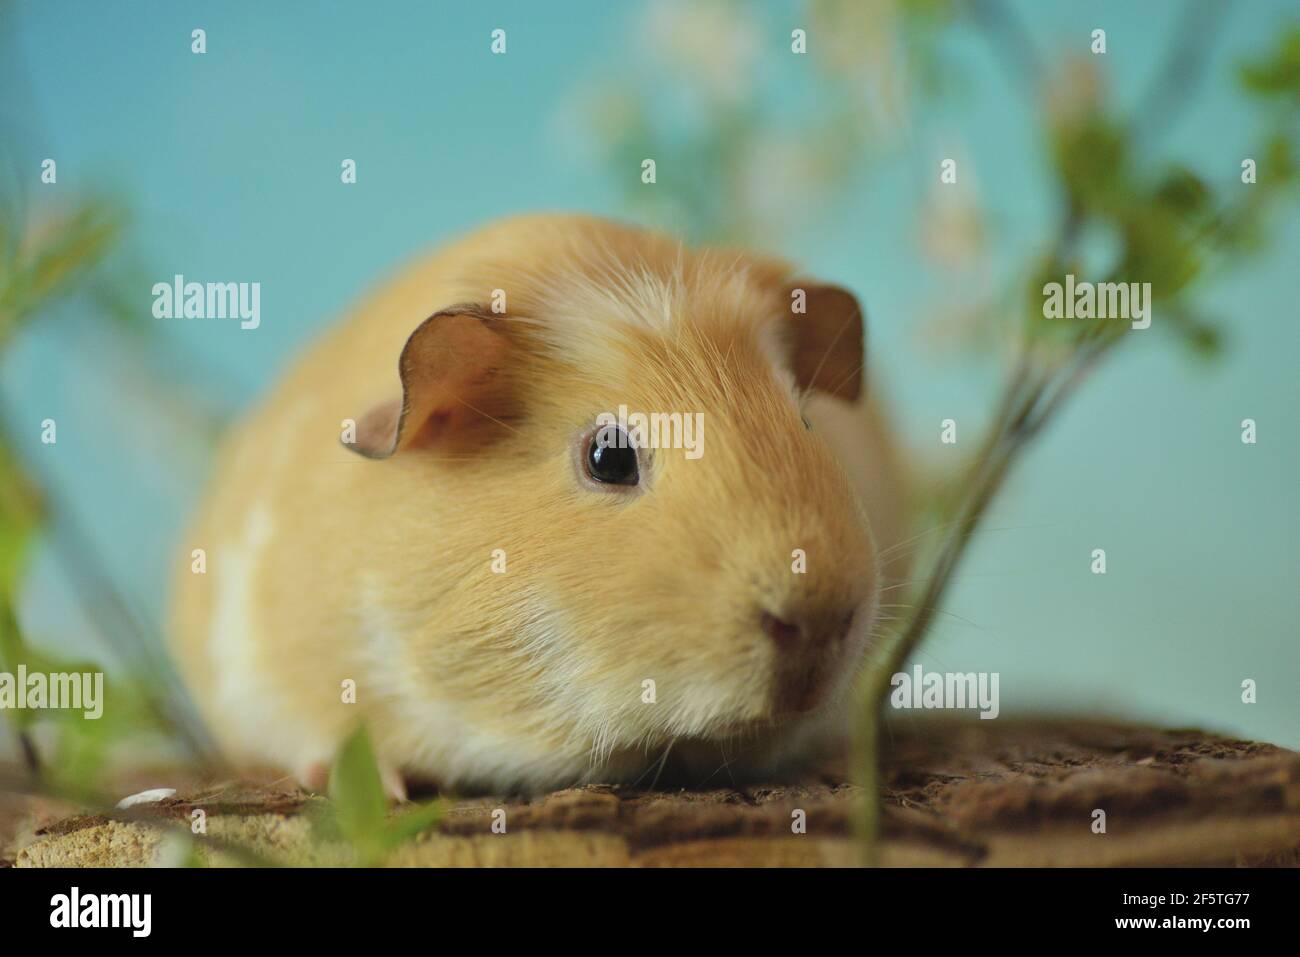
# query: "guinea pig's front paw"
394,784
314,776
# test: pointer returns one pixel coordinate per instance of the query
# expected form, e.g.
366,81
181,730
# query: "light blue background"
230,162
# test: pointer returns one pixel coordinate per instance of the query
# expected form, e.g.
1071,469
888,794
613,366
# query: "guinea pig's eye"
611,457
806,424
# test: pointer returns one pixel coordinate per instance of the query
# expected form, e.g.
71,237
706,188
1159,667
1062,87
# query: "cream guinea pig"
422,526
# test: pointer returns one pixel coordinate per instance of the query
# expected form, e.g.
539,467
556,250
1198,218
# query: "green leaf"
1202,337
1091,158
51,262
407,825
1182,192
1278,74
20,512
357,791
1279,158
13,652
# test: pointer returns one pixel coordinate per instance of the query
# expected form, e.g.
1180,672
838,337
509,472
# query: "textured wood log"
957,793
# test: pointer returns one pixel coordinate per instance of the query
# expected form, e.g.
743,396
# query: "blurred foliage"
1172,229
1277,75
358,809
42,263
731,166
1175,229
20,511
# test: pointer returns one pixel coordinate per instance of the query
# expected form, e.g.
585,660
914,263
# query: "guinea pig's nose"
814,631
785,634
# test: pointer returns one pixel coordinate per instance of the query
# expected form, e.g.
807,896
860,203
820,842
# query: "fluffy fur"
325,566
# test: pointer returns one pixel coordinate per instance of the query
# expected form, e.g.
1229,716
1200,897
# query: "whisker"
662,762
941,611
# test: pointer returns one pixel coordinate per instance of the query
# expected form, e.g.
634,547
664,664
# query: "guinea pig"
449,521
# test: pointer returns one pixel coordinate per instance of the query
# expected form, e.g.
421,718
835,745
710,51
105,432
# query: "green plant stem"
1030,400
31,756
866,772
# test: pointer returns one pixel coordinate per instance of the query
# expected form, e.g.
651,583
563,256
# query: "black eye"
611,458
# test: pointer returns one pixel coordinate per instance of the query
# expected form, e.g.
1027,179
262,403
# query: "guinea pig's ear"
448,370
826,339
